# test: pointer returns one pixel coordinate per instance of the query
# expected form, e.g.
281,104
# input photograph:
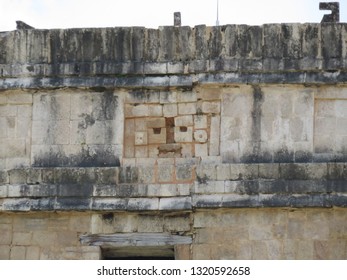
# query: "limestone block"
155,110
18,253
187,150
18,176
153,151
3,99
168,97
206,172
140,110
33,253
155,122
24,111
4,177
141,124
170,110
175,203
20,98
212,107
214,136
243,171
184,121
6,236
184,172
156,135
23,129
147,223
201,150
186,96
141,138
165,173
146,174
141,151
143,204
82,105
5,252
187,108
223,172
200,121
200,136
21,238
8,110
183,134
51,106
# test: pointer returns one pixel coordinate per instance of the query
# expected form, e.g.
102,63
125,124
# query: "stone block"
170,110
165,173
141,151
148,223
168,97
200,121
184,121
214,136
200,136
206,172
156,135
140,124
140,110
143,204
33,253
244,171
6,237
18,253
186,96
153,151
175,203
20,98
4,177
146,174
268,171
5,252
183,134
223,172
155,122
18,176
155,110
182,252
212,107
128,175
141,138
187,150
8,111
21,238
184,172
201,150
187,108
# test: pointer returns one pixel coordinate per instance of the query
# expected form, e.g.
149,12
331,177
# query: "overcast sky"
47,14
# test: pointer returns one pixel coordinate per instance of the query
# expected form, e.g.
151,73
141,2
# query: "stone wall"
218,234
228,142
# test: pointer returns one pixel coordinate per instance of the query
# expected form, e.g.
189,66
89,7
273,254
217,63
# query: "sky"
50,14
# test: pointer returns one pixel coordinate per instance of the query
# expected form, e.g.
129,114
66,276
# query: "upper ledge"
137,51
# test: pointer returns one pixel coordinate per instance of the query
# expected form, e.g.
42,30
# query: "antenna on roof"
217,21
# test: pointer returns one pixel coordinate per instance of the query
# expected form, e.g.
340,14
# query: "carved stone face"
177,125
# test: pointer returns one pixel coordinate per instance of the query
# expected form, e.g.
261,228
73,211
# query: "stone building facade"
225,142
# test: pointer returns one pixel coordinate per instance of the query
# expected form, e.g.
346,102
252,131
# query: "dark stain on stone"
107,106
88,121
30,68
258,100
108,218
99,156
